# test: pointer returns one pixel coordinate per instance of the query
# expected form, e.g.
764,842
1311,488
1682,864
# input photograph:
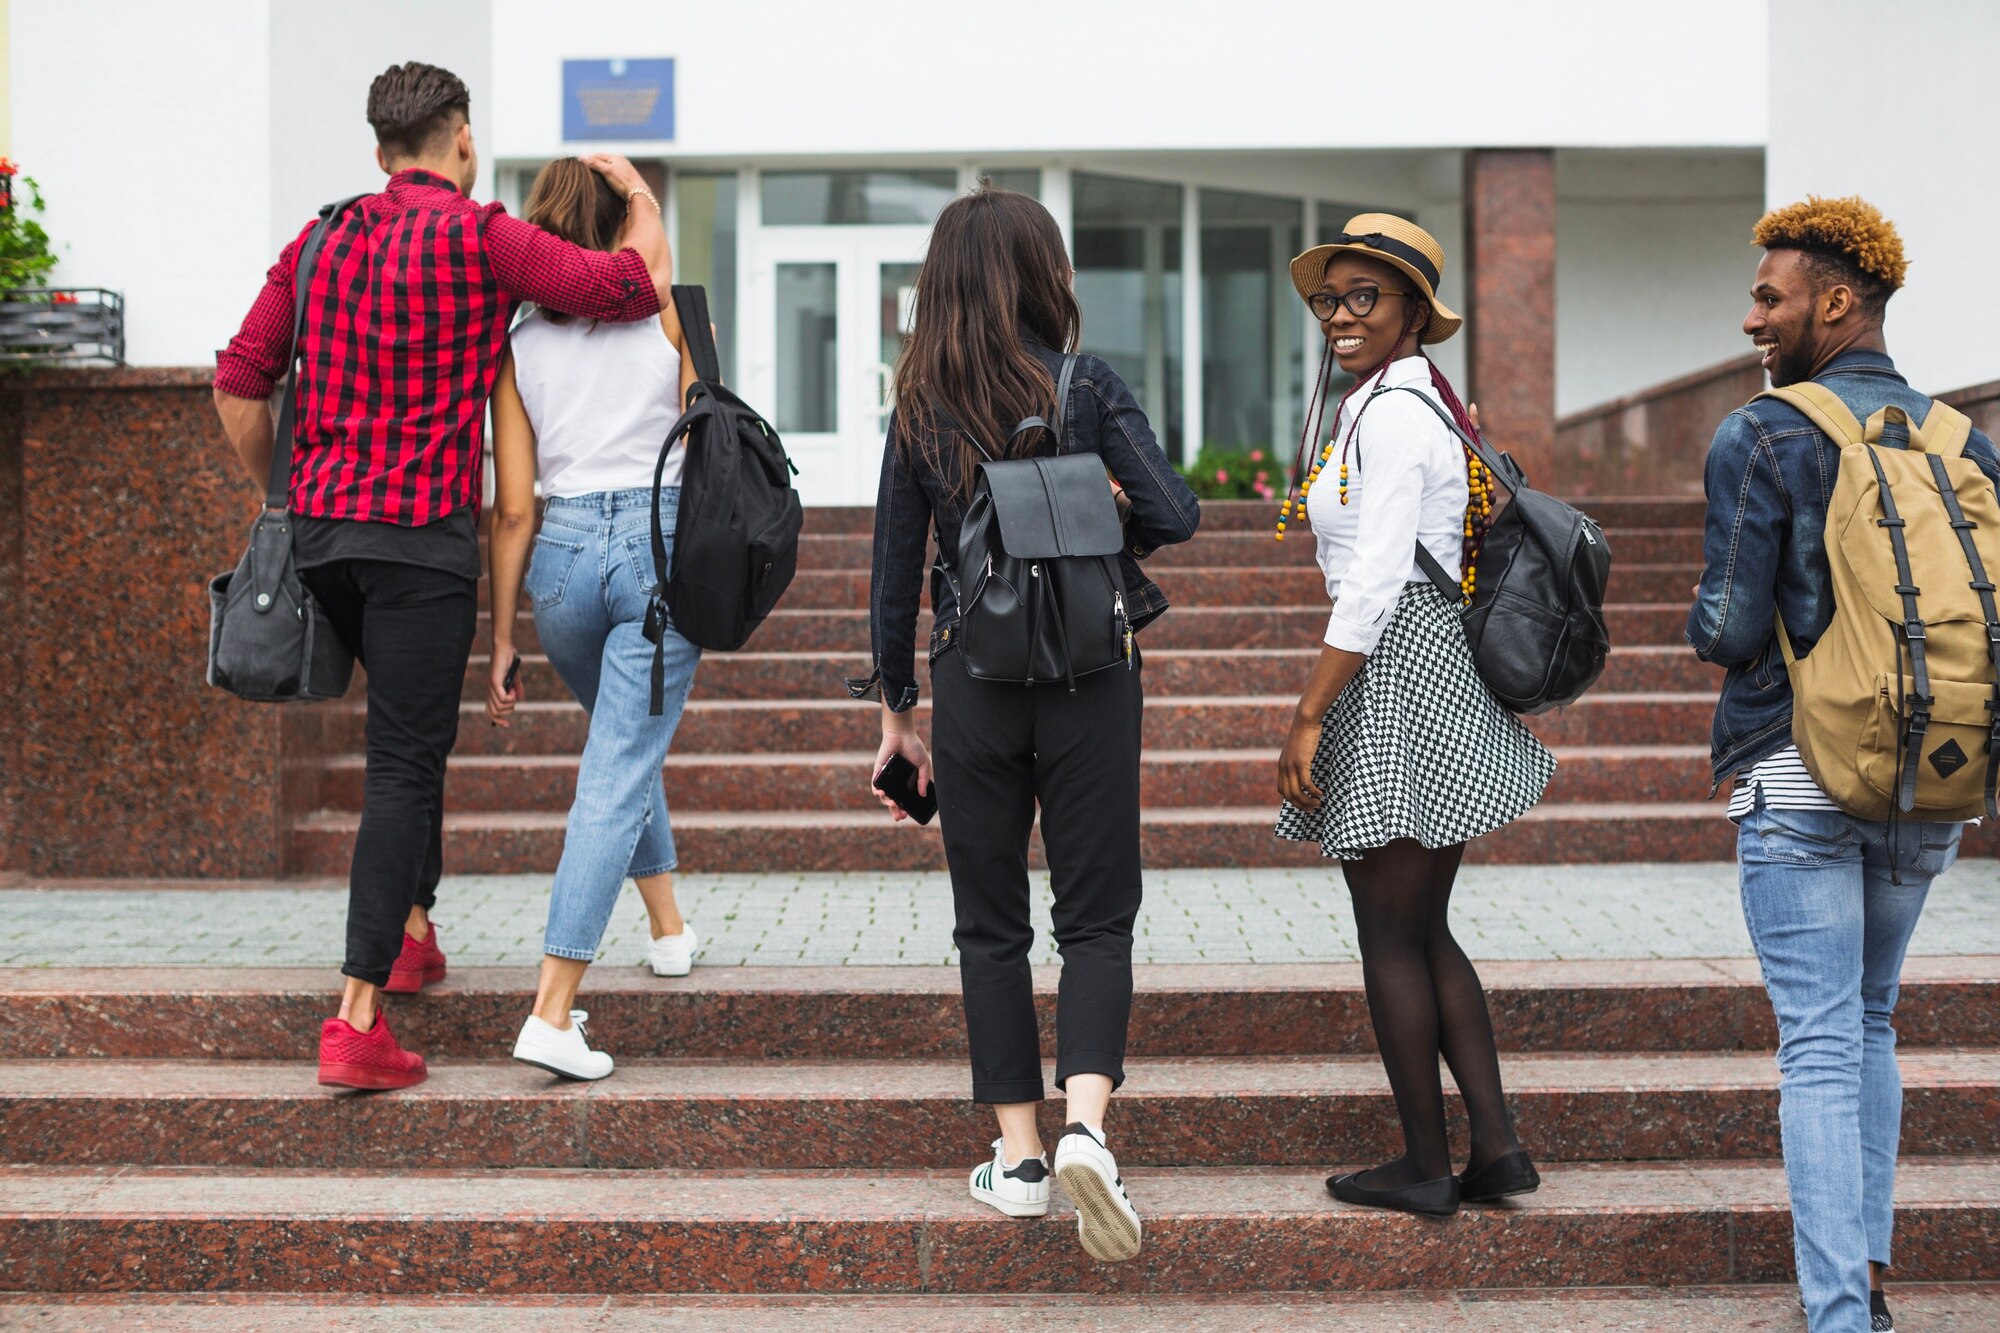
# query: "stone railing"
1651,442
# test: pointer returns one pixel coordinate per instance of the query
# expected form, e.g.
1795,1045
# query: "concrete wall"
1919,136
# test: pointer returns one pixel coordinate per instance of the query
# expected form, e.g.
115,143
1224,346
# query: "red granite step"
1962,1306
186,1229
1179,1010
788,1115
846,631
1169,671
527,841
1172,723
836,780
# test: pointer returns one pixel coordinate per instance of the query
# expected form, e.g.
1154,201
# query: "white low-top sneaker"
1021,1190
562,1051
673,955
1106,1221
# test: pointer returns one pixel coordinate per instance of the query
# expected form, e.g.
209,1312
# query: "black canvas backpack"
1536,619
1040,596
736,543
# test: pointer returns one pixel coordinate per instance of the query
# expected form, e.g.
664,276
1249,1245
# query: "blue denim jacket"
1103,419
1769,477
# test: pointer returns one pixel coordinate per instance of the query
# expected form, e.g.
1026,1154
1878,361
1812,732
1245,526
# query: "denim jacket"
1769,477
1101,418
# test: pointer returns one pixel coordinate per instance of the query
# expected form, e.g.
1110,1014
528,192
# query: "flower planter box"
62,324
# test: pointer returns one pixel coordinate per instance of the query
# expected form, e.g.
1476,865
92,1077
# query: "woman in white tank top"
583,407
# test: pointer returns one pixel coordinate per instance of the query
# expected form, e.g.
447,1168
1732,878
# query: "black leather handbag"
268,640
1536,619
1039,591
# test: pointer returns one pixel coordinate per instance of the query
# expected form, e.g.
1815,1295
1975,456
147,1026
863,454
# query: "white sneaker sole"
1109,1233
671,969
1011,1207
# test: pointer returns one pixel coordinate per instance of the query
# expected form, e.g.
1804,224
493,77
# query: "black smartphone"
513,675
898,782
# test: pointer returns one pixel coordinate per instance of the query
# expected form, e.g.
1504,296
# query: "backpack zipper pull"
1124,626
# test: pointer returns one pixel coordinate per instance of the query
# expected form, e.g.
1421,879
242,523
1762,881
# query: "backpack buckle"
1913,630
656,616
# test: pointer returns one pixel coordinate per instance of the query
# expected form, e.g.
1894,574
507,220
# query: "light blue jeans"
589,576
1830,926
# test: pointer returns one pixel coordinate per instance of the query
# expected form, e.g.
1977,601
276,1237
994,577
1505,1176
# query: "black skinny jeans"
411,628
998,749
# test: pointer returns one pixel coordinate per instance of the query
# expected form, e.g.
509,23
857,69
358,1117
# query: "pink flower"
1263,477
1221,476
62,298
1256,455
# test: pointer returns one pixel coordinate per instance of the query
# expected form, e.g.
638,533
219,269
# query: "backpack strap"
1911,739
691,304
1945,431
1982,584
278,484
1823,407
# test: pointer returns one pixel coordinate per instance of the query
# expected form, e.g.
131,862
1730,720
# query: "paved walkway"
1190,916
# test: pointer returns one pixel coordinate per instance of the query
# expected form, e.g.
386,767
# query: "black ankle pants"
998,750
411,628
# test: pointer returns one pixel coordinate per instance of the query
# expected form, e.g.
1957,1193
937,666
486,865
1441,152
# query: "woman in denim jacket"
583,406
993,306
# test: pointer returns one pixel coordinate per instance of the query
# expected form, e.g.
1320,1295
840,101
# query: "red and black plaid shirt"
406,322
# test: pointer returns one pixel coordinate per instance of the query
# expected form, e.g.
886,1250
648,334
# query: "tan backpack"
1896,710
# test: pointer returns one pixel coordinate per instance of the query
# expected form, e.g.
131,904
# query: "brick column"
1510,315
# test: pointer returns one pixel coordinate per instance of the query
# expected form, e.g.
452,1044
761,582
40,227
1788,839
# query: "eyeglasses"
1360,302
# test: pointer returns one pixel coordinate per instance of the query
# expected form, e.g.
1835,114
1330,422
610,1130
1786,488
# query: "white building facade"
1186,150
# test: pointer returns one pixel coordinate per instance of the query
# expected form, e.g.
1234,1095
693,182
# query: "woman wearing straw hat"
1398,756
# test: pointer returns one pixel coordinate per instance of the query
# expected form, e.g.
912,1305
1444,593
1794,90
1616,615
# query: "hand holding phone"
898,782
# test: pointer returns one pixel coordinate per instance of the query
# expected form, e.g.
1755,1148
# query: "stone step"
907,1114
846,631
837,780
1172,722
530,842
1962,1306
1169,671
1179,1010
1208,1231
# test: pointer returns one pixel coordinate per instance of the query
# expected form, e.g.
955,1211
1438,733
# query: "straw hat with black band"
1396,241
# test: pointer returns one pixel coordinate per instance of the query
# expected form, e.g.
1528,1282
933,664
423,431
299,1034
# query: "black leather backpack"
736,542
1039,592
1536,619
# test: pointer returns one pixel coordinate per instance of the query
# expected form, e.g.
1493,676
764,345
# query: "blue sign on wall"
618,99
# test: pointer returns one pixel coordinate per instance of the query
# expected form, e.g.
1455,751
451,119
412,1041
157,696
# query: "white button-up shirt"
1405,483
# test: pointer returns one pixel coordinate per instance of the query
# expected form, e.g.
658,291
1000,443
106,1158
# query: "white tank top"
602,399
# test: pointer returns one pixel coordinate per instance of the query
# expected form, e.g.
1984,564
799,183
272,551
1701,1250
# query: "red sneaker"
419,965
371,1059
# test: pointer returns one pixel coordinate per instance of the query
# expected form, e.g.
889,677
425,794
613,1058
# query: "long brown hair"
577,204
996,274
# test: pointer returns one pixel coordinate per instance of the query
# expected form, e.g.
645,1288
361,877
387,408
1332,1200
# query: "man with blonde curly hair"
1830,900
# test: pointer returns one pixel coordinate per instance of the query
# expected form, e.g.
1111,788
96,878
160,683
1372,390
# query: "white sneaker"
562,1051
673,955
1021,1190
1106,1221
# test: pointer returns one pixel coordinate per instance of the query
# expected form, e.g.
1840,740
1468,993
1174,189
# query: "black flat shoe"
1501,1178
1430,1198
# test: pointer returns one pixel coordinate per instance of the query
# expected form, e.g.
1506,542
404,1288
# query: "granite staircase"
786,1149
769,767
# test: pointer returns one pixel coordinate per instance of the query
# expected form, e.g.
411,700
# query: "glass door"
827,313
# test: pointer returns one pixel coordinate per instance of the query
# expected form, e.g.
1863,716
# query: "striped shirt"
1785,783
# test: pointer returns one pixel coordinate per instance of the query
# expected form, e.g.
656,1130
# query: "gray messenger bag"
268,640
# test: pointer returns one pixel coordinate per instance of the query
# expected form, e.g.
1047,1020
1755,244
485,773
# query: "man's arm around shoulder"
1743,536
631,283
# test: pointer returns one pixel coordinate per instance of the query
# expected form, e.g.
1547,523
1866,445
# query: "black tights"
1425,999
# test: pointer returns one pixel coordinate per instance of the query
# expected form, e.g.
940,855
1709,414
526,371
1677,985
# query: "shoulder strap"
1823,407
1056,428
1502,465
1945,430
1452,592
278,485
691,304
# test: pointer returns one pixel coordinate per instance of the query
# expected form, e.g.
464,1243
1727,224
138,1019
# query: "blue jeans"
589,576
1830,925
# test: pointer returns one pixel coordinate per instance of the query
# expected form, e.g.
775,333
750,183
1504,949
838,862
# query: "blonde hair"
1849,229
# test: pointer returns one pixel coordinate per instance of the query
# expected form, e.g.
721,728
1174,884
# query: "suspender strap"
1910,741
1983,585
278,485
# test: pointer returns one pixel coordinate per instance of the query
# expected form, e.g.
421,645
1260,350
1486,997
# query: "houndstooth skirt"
1416,747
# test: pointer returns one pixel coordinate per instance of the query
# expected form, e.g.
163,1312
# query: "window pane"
842,198
808,338
1021,180
705,253
1252,380
1128,281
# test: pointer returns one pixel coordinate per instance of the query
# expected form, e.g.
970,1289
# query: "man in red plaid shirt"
407,311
